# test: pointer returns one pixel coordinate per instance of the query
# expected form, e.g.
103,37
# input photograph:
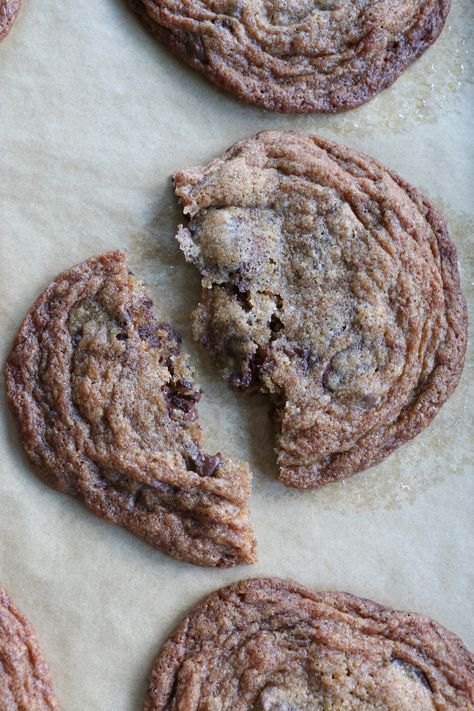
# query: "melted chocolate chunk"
194,46
181,398
180,403
202,463
157,334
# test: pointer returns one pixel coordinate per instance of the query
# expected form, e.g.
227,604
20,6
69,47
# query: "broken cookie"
106,408
332,285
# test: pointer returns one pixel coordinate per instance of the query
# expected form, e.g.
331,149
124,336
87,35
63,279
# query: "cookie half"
271,645
332,285
106,407
25,684
8,11
300,56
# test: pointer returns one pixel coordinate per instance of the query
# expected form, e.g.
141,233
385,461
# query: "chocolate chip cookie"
300,56
271,645
8,11
25,684
106,407
331,284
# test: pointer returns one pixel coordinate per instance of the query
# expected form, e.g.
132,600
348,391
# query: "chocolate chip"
304,355
226,24
186,388
210,464
191,415
156,333
184,384
248,379
180,402
202,463
194,46
148,333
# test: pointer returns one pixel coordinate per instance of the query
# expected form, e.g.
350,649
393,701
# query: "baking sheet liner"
94,117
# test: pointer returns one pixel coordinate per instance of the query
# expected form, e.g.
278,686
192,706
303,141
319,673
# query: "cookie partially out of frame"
25,684
332,285
106,408
8,11
271,645
299,56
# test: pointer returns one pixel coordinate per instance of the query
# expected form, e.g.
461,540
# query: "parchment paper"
94,117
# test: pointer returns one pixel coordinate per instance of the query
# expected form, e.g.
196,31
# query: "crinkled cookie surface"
25,684
272,645
299,56
106,408
330,284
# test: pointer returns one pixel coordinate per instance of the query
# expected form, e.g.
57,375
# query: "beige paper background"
94,117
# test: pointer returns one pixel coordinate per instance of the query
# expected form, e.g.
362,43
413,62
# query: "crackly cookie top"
271,645
25,684
330,284
106,407
8,11
299,56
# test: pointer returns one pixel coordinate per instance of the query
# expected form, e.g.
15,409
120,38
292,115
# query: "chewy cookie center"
299,298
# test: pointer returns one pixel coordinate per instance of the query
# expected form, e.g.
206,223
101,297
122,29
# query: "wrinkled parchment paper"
94,117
